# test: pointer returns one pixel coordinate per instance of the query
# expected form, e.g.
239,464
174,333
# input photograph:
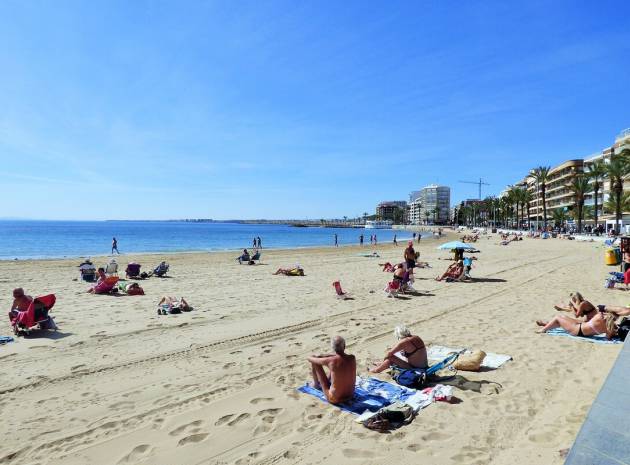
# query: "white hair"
338,344
401,332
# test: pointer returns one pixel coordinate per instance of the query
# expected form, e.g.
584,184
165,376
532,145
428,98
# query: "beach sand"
119,384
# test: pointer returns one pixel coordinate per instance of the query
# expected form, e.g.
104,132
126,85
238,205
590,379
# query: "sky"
284,109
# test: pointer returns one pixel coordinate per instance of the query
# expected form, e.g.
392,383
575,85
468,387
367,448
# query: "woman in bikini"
409,346
593,321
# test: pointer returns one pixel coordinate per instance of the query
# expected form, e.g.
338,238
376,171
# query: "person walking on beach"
336,242
371,239
374,239
419,237
361,239
115,246
259,242
395,241
254,243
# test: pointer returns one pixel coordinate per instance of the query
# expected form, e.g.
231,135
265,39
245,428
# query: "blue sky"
281,109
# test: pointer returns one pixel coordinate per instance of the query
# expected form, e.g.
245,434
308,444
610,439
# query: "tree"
435,212
427,214
527,199
616,171
580,186
597,173
541,174
611,205
559,217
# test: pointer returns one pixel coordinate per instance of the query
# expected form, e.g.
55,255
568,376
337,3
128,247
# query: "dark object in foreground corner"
604,438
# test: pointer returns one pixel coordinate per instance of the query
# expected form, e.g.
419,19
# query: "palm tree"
541,175
597,172
616,171
611,205
527,200
559,217
580,187
435,212
427,214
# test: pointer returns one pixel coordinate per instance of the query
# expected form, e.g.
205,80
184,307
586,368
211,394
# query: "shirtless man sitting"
20,302
339,387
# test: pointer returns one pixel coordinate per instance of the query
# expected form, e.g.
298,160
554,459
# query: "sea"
60,239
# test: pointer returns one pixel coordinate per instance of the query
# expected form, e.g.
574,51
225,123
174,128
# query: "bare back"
343,373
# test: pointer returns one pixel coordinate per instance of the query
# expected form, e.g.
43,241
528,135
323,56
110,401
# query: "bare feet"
541,323
561,309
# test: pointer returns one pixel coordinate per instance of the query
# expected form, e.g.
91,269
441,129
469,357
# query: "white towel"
438,353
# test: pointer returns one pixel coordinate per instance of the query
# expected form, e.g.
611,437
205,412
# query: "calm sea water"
53,239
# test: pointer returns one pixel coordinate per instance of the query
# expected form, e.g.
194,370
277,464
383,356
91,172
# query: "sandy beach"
119,384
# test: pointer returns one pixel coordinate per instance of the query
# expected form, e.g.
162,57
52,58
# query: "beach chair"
112,268
35,315
418,377
340,293
133,270
107,285
393,288
255,257
88,271
161,270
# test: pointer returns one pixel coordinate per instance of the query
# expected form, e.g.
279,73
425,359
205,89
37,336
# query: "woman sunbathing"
454,272
411,347
172,305
297,271
589,321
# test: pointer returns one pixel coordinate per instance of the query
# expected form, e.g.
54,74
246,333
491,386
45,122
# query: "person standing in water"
395,241
336,242
115,246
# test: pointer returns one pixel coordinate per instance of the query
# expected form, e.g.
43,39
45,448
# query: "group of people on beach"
339,383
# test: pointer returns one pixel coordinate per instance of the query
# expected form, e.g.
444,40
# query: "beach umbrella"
454,245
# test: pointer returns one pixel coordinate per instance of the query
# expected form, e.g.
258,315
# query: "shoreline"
213,251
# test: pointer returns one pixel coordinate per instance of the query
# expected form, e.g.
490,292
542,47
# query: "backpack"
408,378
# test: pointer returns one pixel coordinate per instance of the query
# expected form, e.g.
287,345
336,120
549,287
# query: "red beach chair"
35,315
339,291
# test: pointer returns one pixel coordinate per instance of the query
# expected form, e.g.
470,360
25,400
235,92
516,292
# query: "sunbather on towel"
20,303
412,348
130,288
339,385
172,305
297,271
603,319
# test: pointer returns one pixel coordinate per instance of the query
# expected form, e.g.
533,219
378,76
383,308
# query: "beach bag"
470,362
391,417
610,283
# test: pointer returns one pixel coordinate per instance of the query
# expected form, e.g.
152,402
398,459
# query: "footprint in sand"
193,438
136,454
188,427
125,404
224,419
229,365
258,400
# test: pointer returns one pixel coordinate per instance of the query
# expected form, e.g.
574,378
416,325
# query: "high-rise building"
435,204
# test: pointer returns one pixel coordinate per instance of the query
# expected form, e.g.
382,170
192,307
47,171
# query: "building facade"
394,210
414,211
435,204
559,195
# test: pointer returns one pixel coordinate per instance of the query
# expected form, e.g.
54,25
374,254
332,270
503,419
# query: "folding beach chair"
112,268
340,293
418,377
133,270
35,315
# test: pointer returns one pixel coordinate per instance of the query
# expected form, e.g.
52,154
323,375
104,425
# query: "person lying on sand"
590,320
339,386
20,303
297,271
172,305
411,347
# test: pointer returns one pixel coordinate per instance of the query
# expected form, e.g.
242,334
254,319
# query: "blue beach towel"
369,394
5,339
599,339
